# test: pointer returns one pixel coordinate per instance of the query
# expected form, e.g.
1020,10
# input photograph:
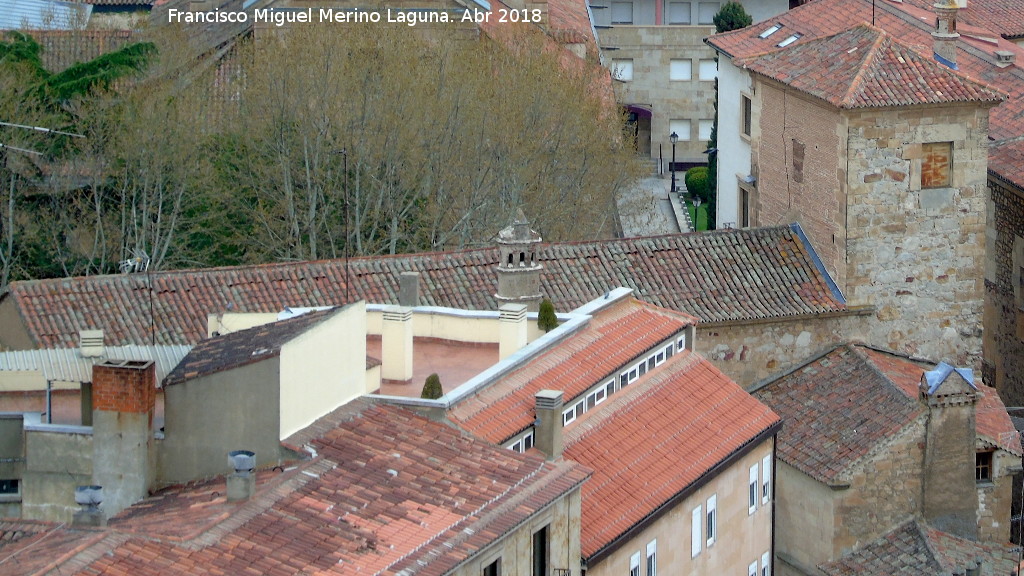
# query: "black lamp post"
673,138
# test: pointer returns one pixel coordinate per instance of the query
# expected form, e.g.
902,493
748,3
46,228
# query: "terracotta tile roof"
389,491
915,548
675,424
614,337
32,547
865,67
719,276
830,405
912,26
569,23
243,347
1004,17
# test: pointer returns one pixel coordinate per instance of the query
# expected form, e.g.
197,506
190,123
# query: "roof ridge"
868,62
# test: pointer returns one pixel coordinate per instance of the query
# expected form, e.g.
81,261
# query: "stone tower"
518,268
950,497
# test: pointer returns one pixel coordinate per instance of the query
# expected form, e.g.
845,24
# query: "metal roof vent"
242,483
90,343
89,498
1004,58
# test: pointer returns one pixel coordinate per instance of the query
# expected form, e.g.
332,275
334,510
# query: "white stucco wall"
323,368
733,147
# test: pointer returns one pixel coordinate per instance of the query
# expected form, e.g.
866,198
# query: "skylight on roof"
788,41
775,28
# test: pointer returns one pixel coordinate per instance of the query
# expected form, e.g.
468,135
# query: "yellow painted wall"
323,368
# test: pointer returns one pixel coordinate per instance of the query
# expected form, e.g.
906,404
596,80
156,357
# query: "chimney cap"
89,495
242,460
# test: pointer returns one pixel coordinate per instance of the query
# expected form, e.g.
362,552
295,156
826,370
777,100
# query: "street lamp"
673,138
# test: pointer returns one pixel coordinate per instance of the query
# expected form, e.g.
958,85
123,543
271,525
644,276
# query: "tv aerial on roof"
37,129
139,262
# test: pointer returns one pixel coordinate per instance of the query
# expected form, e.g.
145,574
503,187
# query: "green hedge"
696,180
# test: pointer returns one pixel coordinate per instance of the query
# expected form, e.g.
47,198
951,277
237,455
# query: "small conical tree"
546,319
432,388
732,16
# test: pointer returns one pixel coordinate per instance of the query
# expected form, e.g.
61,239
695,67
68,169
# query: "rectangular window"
937,159
634,565
766,566
681,343
10,487
493,569
679,13
708,70
652,558
766,479
768,32
610,388
983,466
622,69
752,490
747,113
706,12
622,12
712,520
695,535
789,40
680,128
680,69
704,130
744,207
540,552
752,569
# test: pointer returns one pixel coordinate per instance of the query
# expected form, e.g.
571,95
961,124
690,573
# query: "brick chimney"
944,36
123,401
548,427
950,499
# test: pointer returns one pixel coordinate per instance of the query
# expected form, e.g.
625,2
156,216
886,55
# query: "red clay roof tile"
675,424
718,276
388,490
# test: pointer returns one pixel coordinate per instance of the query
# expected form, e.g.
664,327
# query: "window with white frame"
596,397
696,540
706,12
622,12
492,569
680,127
523,444
679,13
752,569
711,526
752,491
681,343
652,558
708,70
634,565
766,479
704,129
573,412
670,350
622,69
766,566
680,69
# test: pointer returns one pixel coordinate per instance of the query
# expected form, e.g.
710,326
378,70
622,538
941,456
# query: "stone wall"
515,550
885,490
59,458
751,352
917,254
652,48
995,498
1004,318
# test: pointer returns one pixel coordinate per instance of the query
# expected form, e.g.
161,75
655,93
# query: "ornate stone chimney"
950,496
944,36
518,268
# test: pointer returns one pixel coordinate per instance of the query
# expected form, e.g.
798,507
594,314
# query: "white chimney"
512,329
396,344
90,343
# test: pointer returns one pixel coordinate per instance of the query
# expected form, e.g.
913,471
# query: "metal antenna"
22,150
41,129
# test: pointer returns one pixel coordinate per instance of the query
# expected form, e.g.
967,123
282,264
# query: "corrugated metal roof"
43,15
67,365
